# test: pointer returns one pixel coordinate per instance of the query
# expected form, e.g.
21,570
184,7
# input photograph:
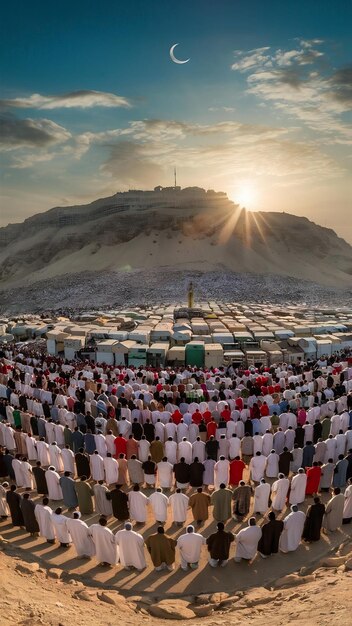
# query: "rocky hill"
188,229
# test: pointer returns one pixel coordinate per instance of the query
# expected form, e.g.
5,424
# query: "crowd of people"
79,438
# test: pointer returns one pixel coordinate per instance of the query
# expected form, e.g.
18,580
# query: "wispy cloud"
84,99
23,133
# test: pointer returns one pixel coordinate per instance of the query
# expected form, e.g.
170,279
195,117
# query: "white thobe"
17,468
137,502
43,516
159,502
68,459
298,489
347,508
257,466
185,451
4,507
60,435
234,447
190,546
297,454
279,491
208,476
97,467
257,444
53,482
31,448
198,450
293,528
81,539
103,506
171,451
106,550
268,440
272,465
61,532
221,473
55,457
131,547
111,468
330,452
261,498
165,474
43,453
110,444
100,444
247,542
179,506
143,450
27,476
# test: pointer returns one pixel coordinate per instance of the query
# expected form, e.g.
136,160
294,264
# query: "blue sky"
91,103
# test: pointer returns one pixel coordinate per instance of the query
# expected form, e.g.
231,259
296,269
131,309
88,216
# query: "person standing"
298,487
84,495
67,485
138,502
313,521
14,500
161,549
43,514
28,508
347,507
334,511
313,479
218,545
119,501
261,497
293,528
101,498
79,533
279,491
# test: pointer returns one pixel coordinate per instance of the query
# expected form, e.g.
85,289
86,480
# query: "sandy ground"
232,578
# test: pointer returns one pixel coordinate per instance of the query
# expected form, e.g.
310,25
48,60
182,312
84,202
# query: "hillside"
188,229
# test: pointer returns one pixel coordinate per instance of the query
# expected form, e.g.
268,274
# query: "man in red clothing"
176,417
197,417
226,414
211,428
237,467
264,409
313,479
207,416
120,446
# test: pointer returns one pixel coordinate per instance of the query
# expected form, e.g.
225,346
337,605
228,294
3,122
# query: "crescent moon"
173,58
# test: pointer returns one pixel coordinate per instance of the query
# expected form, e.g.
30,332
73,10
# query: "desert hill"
187,229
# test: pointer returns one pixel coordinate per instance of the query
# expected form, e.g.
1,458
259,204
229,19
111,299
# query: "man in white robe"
111,469
55,457
297,454
17,469
165,473
106,550
79,533
221,472
185,450
247,541
179,505
135,470
43,514
100,444
131,547
171,450
60,527
298,487
198,450
43,452
347,507
137,503
290,537
279,490
261,497
257,466
143,449
97,466
334,511
190,545
234,446
272,465
103,506
27,475
53,483
31,447
68,459
159,503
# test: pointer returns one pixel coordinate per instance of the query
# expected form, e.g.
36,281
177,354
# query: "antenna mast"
175,176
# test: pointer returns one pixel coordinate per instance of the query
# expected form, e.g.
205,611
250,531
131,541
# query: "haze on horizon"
91,103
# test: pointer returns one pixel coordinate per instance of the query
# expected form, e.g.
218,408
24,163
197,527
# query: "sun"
245,194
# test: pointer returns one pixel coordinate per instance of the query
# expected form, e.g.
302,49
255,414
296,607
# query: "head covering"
294,508
77,515
128,526
190,528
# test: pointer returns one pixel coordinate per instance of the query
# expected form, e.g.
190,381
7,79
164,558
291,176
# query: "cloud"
84,99
225,109
340,84
29,133
253,58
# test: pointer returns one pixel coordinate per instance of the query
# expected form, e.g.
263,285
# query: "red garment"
226,415
131,448
211,429
176,417
197,417
120,446
264,410
207,416
239,404
70,403
277,388
313,480
236,471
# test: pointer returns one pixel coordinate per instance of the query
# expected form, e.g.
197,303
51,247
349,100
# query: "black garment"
90,421
8,458
211,449
82,464
248,427
137,431
313,522
182,472
148,467
77,439
317,431
202,427
40,480
349,468
219,545
196,471
3,468
308,455
119,501
46,411
14,501
149,431
22,401
269,541
34,426
285,459
30,521
299,438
